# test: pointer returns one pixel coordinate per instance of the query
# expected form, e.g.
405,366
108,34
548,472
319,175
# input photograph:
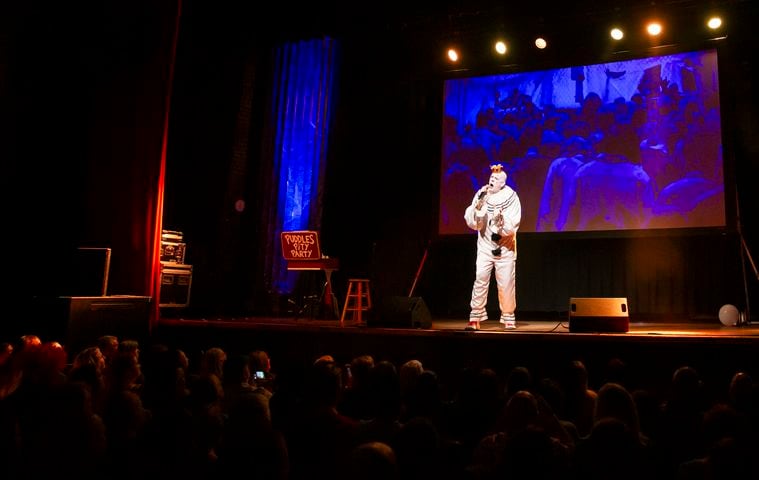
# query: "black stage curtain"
670,278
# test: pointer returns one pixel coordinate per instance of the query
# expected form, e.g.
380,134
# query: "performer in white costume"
495,214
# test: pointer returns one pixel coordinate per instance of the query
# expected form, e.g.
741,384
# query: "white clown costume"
495,214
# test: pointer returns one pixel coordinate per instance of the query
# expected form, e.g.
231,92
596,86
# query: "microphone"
483,192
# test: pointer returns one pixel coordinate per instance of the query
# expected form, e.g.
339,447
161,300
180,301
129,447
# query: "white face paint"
497,182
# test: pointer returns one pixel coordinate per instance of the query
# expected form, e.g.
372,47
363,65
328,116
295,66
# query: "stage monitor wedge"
402,312
599,315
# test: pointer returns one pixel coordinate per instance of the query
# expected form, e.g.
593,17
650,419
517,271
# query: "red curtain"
128,147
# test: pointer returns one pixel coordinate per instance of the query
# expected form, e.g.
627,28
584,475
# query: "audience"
107,417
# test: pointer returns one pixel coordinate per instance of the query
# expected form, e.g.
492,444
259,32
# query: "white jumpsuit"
496,247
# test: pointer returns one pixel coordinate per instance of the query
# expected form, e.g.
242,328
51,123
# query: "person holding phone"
259,364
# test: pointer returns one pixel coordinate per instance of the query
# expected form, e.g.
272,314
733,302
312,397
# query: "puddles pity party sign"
300,245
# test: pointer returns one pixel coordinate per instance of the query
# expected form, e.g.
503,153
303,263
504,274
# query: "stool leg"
359,302
349,294
347,301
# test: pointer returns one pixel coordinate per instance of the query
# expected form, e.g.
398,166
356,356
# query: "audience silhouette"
386,421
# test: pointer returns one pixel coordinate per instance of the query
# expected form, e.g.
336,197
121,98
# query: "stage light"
729,315
453,55
500,47
616,34
541,43
654,29
714,23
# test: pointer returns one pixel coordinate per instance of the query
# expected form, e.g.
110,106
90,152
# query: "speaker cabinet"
401,312
599,315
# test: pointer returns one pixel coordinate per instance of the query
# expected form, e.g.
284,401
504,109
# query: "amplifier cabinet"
176,282
173,252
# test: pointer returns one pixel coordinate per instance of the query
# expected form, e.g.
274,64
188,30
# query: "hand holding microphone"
481,197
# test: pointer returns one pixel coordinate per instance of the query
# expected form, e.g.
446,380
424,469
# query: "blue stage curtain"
302,97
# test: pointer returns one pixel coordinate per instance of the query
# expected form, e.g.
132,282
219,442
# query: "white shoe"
510,325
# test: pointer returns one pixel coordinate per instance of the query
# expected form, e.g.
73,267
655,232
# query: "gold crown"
497,168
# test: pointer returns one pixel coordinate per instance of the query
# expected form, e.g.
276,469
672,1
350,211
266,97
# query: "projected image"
617,146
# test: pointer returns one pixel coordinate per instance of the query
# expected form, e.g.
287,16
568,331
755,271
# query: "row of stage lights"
653,29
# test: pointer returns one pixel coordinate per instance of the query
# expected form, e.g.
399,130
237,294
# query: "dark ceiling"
479,15
415,31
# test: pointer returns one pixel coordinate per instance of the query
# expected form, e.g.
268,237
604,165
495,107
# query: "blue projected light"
626,145
303,93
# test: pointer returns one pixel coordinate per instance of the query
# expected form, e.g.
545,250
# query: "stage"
544,344
533,326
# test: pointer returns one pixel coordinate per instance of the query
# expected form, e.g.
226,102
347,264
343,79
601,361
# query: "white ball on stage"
729,315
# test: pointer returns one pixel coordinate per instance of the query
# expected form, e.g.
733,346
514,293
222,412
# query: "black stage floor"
652,349
534,325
